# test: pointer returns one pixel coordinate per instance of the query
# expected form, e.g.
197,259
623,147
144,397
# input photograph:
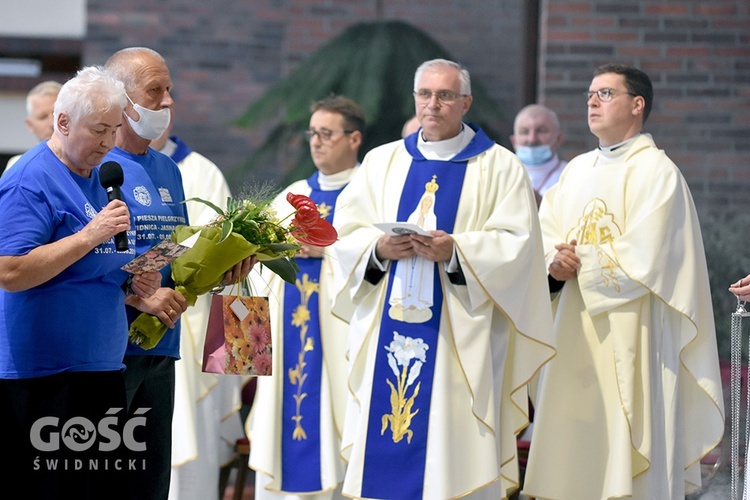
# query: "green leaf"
241,216
231,205
282,247
283,268
206,202
226,229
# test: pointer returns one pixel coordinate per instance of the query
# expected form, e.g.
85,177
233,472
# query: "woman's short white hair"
434,64
92,90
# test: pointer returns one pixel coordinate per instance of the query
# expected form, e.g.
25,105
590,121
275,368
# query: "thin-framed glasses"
445,96
324,134
606,94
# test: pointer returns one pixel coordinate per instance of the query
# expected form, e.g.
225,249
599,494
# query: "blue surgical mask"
534,155
151,124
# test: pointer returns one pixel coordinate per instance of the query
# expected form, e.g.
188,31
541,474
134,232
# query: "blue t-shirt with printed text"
152,188
75,321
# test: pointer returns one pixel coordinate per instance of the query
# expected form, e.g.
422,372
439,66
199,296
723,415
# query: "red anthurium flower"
300,200
309,227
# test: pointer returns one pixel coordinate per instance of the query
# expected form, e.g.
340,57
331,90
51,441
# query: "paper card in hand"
401,228
158,257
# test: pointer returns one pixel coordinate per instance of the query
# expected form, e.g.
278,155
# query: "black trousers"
149,385
63,435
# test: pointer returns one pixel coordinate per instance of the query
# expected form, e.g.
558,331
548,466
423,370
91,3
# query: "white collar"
447,149
609,149
332,182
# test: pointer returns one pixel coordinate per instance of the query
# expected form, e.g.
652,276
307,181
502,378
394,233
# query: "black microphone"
111,178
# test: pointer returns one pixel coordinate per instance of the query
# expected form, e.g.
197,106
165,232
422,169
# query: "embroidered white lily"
401,351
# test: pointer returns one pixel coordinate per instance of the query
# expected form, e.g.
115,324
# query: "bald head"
126,63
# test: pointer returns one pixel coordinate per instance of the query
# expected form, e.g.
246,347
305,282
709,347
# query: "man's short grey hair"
92,90
437,64
49,87
535,110
123,62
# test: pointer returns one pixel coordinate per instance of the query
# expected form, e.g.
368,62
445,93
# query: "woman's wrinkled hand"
111,220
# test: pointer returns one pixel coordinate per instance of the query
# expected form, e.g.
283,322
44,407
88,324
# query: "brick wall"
698,57
224,54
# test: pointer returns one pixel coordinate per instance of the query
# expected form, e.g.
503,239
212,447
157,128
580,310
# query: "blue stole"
182,150
396,448
303,363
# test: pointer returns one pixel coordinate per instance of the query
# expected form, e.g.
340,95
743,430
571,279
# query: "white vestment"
633,399
264,425
206,422
495,331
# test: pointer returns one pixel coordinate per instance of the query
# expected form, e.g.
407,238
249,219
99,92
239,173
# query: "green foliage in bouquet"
247,227
256,222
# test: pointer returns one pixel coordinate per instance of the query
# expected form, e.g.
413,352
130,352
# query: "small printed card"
401,228
159,256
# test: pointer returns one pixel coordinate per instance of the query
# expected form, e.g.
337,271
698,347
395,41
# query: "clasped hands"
439,248
566,264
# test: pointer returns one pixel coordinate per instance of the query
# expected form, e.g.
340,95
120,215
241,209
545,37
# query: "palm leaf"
371,63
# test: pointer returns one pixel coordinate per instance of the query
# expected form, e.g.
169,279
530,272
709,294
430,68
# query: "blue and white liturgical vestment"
438,365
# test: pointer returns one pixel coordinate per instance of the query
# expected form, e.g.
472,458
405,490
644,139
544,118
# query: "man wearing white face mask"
536,138
153,191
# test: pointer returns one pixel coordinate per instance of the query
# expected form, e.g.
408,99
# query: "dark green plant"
373,64
728,258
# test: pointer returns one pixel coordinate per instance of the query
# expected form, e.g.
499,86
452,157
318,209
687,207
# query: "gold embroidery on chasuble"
297,375
324,209
597,227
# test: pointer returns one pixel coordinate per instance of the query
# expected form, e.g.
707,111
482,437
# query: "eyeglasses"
606,94
446,96
323,134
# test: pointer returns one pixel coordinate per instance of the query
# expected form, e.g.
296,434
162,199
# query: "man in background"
296,447
536,138
410,126
40,103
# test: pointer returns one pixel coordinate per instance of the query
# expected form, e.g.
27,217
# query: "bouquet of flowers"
245,228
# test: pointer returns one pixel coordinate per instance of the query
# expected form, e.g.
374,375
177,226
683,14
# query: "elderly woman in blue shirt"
63,328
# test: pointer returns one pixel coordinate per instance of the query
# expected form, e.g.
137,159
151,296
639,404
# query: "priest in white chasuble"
633,399
296,419
447,324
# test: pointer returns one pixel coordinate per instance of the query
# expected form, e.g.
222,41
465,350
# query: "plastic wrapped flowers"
244,228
